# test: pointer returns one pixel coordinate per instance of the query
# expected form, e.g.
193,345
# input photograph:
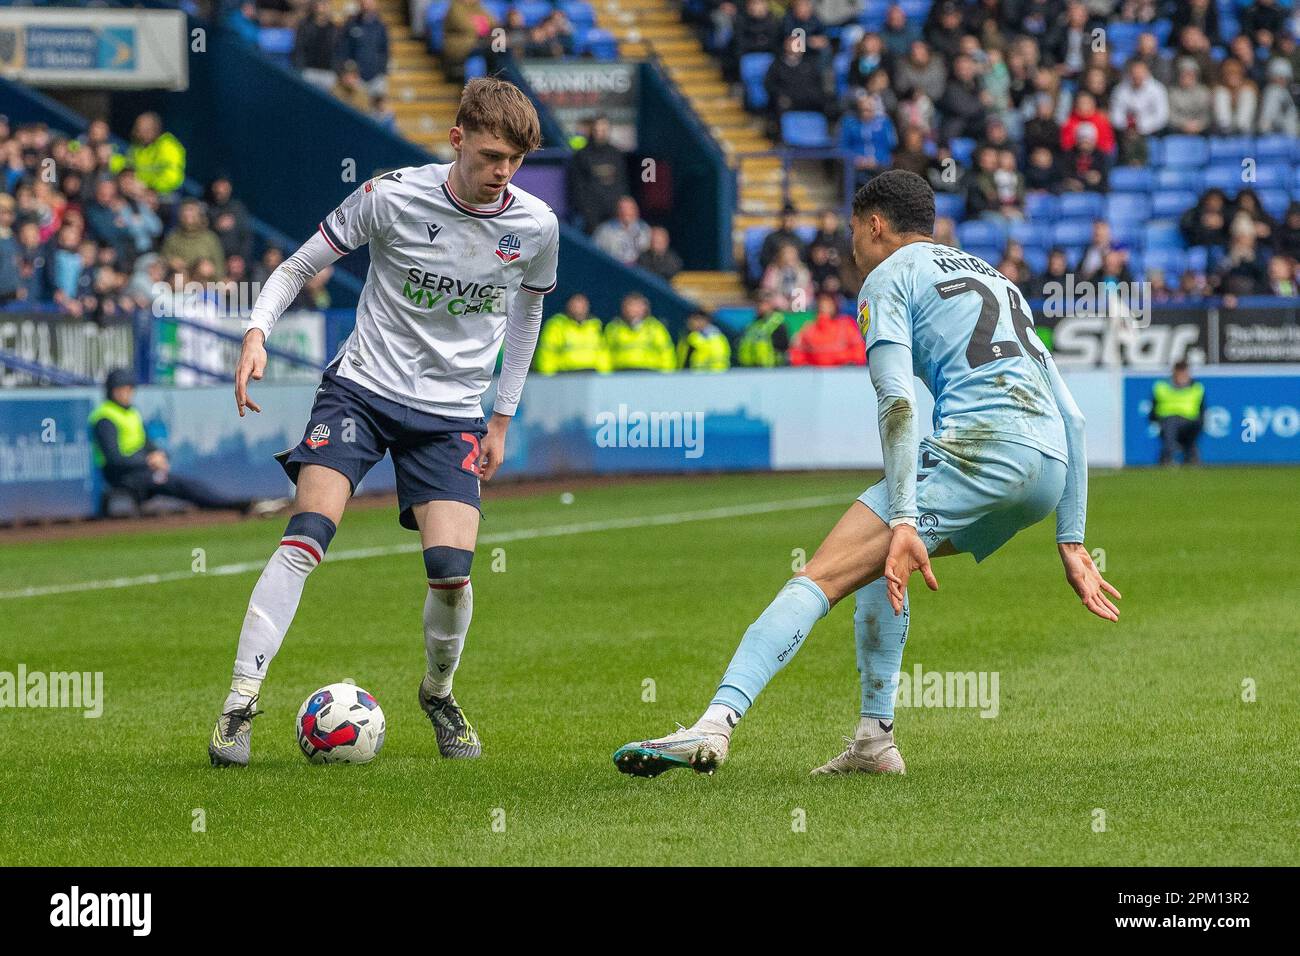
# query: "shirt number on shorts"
470,463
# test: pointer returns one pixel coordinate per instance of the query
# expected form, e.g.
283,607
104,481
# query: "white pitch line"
523,534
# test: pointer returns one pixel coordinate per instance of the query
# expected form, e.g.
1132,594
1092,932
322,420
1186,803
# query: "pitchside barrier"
743,420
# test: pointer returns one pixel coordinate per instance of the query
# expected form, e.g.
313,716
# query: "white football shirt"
443,273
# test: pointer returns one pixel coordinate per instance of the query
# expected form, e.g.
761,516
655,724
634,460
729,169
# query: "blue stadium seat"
841,69
475,66
1183,151
1274,202
1295,188
990,254
1172,202
1131,179
1036,256
1172,262
753,68
1071,232
805,129
275,40
1136,262
1041,206
1162,234
434,17
1126,232
952,205
1227,178
1073,254
1031,233
981,232
1133,206
1198,258
1273,148
915,9
601,44
1163,28
1121,34
1081,205
1225,149
579,13
534,11
754,237
497,8
963,148
806,233
1155,152
1271,176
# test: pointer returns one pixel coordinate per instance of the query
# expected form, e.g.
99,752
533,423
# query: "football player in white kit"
459,259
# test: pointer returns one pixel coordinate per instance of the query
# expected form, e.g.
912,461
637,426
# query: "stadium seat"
804,129
915,9
1071,232
1041,206
475,66
1180,179
981,232
1036,256
754,237
1126,231
534,11
601,44
1227,178
841,65
806,233
1031,233
952,205
1198,259
1225,149
963,148
1274,202
1270,176
580,14
1172,202
1162,234
1132,206
1081,205
1268,148
753,68
1131,179
1182,151
990,254
1155,152
1172,262
434,17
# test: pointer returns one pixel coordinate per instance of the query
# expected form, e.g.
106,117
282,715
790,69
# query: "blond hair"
493,106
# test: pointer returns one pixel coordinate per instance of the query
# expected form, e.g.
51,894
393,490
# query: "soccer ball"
340,723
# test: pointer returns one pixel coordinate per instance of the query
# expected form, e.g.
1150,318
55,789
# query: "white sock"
447,613
720,715
271,608
874,727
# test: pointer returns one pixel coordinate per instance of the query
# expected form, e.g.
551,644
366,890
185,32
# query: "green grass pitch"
1143,721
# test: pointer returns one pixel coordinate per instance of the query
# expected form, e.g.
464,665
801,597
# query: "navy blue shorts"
435,457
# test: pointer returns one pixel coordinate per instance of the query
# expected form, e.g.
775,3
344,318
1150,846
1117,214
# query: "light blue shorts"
977,493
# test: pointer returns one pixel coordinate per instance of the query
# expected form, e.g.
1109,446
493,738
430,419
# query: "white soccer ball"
340,723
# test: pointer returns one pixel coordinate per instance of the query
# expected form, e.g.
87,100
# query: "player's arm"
890,366
349,226
523,325
1072,509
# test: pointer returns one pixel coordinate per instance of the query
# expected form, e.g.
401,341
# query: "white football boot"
703,748
877,754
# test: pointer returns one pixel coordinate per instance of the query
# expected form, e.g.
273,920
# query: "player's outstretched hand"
907,553
252,364
493,449
1087,581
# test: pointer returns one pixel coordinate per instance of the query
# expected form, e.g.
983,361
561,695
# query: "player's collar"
476,211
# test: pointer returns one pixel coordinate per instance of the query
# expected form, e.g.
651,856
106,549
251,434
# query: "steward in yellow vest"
766,340
637,340
1178,407
572,341
704,348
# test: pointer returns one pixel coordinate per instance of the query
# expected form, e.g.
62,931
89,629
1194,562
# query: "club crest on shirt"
320,435
508,247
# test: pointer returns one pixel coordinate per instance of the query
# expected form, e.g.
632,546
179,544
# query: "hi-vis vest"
756,349
129,423
707,350
648,346
567,345
1182,402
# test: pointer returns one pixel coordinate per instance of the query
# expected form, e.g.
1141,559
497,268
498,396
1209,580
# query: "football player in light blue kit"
1007,449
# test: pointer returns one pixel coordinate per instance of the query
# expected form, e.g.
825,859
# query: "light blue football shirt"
973,345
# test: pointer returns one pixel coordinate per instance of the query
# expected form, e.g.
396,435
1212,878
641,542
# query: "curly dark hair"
902,198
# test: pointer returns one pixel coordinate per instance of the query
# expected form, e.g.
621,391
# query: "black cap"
118,378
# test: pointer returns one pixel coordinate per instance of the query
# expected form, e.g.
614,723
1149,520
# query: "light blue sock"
880,638
771,642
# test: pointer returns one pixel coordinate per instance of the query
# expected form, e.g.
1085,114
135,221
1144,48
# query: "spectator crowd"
89,229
